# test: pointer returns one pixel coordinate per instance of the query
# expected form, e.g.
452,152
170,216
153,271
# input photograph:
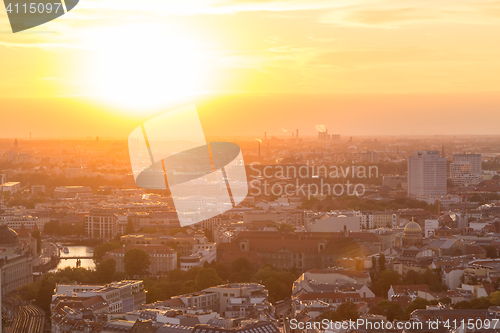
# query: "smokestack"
259,140
297,136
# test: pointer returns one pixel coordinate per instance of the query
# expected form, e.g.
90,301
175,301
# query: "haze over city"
249,166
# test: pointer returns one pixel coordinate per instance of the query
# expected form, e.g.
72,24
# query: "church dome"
8,236
412,227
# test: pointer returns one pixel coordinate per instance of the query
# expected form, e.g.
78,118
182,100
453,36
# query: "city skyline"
360,67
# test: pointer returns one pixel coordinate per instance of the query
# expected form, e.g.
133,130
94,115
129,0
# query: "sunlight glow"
138,68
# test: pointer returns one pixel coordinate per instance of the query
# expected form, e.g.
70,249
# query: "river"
77,251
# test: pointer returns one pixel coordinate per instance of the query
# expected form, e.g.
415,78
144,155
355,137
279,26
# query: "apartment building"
105,223
121,297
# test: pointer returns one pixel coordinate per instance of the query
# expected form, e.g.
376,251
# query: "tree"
206,278
383,282
381,262
101,249
331,316
491,251
283,227
411,277
387,308
348,311
418,303
374,263
136,262
494,298
445,300
241,270
106,270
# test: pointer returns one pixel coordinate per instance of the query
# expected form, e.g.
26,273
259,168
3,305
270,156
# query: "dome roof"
8,236
413,227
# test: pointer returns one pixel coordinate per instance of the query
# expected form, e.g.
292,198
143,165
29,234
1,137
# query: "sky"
361,67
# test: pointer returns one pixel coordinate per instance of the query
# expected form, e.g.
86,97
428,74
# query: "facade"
66,192
238,293
37,189
461,174
16,262
474,160
376,220
11,187
303,251
123,296
15,219
204,301
333,222
412,235
105,223
427,174
369,157
163,258
187,245
430,227
198,259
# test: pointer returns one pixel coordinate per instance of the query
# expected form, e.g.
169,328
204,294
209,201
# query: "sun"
138,68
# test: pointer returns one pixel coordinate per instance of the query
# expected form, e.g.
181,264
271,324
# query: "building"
186,245
461,174
455,315
405,294
123,296
333,222
430,227
304,251
71,192
427,174
376,220
258,327
474,160
238,293
11,187
202,301
198,259
412,235
3,178
105,223
15,219
163,258
16,262
368,157
37,189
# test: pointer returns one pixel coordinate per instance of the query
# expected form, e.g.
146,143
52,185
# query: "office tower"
426,173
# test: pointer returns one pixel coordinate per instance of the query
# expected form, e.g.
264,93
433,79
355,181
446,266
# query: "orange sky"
360,67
